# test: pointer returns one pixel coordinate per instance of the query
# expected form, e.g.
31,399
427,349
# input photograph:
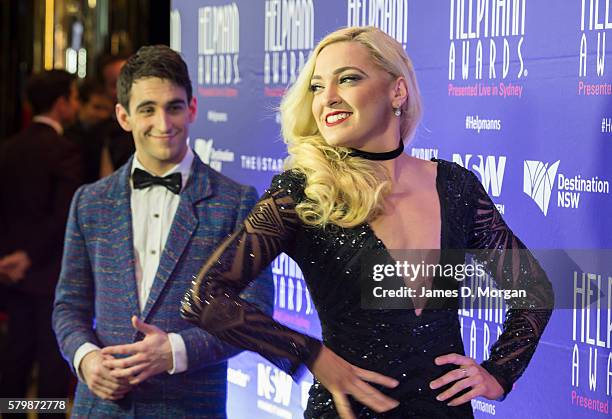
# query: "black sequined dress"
396,343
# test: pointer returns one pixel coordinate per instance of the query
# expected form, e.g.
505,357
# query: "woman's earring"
397,111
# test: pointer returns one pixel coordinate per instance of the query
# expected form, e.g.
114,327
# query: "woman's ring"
464,371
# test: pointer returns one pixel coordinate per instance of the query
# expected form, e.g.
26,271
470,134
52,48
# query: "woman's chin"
339,142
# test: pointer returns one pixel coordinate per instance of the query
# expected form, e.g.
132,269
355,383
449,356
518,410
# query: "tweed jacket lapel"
184,225
123,248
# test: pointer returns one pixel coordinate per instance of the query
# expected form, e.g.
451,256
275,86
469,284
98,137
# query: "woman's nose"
331,96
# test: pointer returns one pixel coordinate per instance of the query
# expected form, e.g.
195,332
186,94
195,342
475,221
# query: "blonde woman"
348,191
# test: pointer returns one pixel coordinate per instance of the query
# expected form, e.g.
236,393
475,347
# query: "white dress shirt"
153,211
49,121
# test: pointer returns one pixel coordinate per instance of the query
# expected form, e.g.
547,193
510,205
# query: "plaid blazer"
96,293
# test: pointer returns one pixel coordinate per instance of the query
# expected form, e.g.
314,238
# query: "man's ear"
123,117
399,94
193,109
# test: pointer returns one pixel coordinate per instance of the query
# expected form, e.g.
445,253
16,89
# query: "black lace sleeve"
513,267
213,303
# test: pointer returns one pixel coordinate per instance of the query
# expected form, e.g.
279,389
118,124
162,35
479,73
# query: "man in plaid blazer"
133,243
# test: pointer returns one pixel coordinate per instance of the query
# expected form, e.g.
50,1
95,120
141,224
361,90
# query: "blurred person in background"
95,104
118,144
40,170
109,68
88,131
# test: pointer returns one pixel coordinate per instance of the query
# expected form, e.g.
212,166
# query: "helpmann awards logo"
218,50
486,44
595,20
288,40
539,179
390,16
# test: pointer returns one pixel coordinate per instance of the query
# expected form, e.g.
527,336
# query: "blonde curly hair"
340,189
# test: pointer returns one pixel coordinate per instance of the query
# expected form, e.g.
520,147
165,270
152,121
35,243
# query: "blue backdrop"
518,91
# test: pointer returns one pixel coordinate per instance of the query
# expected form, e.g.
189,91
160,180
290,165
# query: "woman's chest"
410,222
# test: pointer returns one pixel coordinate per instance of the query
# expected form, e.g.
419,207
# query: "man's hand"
99,379
468,375
149,357
15,265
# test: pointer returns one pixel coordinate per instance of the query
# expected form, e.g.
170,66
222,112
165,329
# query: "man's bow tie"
144,179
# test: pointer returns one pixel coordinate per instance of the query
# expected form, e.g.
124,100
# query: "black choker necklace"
387,155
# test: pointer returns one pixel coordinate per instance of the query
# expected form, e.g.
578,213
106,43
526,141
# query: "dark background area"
110,26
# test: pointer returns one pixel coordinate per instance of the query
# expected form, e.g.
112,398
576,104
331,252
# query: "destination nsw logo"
539,180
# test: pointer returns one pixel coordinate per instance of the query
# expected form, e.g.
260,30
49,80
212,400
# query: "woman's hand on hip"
469,374
341,378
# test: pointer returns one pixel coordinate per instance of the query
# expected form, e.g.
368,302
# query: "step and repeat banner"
518,91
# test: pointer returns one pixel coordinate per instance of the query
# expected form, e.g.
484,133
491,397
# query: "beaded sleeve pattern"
513,267
213,302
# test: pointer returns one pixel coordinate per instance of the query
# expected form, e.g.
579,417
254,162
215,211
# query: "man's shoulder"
37,141
100,190
33,132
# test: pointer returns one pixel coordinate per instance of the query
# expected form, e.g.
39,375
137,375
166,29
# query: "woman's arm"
513,267
213,301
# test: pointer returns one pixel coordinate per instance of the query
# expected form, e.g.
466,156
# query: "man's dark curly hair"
152,61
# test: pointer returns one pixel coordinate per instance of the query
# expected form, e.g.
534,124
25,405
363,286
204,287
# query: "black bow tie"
144,179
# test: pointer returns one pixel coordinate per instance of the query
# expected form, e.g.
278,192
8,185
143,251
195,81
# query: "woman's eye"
349,79
315,87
